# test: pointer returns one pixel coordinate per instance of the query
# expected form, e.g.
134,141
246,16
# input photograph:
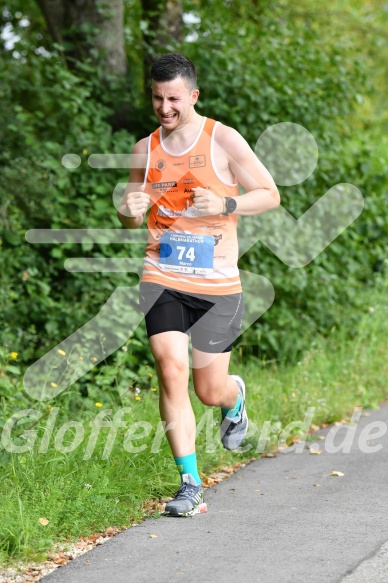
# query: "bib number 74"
190,253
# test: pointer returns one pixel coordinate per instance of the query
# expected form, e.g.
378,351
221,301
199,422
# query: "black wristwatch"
230,205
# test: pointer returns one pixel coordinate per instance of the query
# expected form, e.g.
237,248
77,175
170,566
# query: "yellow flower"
48,406
81,358
98,404
153,390
84,151
137,398
61,352
53,385
94,359
150,374
14,355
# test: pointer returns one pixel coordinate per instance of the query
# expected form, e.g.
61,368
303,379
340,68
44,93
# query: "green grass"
80,493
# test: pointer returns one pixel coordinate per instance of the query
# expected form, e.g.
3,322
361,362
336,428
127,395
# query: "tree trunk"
165,30
171,23
82,26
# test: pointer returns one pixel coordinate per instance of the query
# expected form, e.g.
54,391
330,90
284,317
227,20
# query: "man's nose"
165,106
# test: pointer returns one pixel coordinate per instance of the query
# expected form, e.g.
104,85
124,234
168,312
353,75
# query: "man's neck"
182,137
184,133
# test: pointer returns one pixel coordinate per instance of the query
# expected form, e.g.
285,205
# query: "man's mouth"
168,117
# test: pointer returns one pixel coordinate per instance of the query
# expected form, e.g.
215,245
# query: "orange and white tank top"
174,221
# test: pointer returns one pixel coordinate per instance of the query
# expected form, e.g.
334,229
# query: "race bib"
186,253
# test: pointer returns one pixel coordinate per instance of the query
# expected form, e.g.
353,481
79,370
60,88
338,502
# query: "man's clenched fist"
137,203
207,202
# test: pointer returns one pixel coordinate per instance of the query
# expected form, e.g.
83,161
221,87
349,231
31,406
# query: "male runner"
188,171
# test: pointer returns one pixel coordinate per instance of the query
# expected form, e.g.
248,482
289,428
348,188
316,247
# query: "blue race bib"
186,253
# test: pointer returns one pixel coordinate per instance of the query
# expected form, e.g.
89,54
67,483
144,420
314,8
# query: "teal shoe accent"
187,464
231,413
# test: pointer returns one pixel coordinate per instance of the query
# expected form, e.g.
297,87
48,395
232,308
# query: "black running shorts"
213,322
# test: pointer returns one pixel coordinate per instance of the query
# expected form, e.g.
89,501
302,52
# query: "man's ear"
194,96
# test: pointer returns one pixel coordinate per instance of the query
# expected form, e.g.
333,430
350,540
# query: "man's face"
173,102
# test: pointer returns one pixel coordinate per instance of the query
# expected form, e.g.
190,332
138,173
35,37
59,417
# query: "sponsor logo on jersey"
164,185
160,164
188,180
197,161
217,239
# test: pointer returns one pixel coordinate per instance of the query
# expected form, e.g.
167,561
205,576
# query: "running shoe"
188,500
234,430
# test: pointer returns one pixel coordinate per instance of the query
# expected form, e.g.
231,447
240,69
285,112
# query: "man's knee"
172,372
210,395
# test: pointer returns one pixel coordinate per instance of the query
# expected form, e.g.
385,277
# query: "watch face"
231,205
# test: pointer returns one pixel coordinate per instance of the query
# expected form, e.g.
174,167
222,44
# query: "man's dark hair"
172,65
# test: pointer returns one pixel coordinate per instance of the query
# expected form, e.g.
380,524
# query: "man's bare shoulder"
139,154
229,138
141,147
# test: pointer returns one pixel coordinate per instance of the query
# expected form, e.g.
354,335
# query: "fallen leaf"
208,482
257,490
335,473
94,537
43,521
315,451
226,469
153,535
316,484
268,454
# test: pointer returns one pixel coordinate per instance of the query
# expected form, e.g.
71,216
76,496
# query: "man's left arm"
261,191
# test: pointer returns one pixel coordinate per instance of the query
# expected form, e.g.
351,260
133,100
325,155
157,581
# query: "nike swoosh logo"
218,341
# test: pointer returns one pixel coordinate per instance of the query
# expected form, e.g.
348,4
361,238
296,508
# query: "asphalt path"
280,520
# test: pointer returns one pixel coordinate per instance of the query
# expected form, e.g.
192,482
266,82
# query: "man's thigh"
216,330
170,348
210,368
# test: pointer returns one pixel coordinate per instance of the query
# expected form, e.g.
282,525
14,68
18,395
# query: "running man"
188,171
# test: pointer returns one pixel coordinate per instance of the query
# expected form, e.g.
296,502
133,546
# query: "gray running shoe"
188,500
234,430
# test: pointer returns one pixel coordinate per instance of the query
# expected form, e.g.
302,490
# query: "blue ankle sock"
187,464
233,412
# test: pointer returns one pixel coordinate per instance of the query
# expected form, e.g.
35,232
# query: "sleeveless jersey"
169,180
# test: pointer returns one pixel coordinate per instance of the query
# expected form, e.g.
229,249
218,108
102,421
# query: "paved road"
289,531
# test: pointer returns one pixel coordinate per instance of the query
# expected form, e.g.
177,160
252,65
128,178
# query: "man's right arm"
135,202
